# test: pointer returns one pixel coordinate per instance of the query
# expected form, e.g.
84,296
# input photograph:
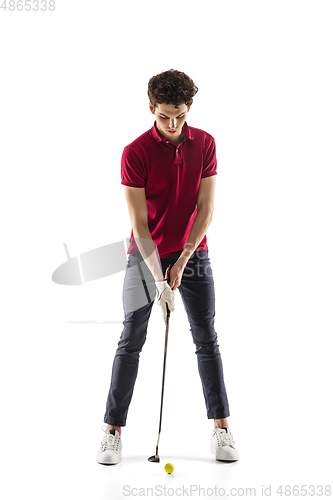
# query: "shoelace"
223,438
110,442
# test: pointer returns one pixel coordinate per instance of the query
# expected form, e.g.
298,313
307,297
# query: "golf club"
155,458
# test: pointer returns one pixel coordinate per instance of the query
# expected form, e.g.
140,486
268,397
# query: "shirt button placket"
177,158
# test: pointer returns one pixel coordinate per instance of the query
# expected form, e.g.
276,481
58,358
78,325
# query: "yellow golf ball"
169,468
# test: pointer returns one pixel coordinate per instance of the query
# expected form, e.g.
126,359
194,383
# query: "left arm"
205,208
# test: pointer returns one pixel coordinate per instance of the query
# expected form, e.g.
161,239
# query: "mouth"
172,131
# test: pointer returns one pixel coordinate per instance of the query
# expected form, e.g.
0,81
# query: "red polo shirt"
171,176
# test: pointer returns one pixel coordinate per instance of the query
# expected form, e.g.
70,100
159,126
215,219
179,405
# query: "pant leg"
137,303
198,296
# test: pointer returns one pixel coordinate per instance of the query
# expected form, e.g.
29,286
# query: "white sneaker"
222,445
110,451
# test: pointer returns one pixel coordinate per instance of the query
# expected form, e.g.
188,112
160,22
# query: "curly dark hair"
171,87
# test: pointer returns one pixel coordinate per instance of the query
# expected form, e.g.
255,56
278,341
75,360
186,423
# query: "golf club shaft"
164,364
163,377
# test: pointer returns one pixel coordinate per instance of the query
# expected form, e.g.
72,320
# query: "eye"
165,118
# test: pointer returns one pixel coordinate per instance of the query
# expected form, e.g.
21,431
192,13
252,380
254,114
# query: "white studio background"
73,95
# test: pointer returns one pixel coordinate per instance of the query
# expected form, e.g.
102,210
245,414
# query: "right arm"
137,207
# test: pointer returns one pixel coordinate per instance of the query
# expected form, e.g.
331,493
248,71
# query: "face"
170,120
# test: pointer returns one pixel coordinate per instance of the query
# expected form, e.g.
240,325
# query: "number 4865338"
27,5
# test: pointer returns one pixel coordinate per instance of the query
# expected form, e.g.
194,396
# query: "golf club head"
154,458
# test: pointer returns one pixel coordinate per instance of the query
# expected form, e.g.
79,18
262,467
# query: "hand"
176,273
165,296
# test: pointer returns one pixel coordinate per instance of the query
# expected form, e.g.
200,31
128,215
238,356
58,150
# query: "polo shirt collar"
159,138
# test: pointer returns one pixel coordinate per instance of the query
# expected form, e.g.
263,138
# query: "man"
169,175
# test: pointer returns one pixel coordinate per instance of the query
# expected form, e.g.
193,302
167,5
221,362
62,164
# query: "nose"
173,124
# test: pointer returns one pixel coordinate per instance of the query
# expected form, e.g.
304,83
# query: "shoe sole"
107,463
102,461
225,458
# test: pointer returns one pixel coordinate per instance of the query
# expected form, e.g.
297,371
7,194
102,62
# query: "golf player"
169,175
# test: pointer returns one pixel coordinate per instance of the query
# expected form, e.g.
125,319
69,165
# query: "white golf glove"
165,296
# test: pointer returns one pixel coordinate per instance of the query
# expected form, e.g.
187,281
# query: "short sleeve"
133,172
209,158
